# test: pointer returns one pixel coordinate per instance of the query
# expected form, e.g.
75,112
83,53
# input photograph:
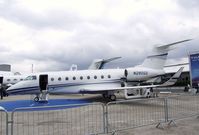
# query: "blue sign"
194,69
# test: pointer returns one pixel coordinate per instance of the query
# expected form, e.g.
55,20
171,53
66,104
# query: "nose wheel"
42,97
36,99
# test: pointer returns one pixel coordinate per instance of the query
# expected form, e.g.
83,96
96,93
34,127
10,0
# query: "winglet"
173,79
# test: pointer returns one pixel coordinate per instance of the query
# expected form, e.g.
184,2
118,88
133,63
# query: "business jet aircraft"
104,81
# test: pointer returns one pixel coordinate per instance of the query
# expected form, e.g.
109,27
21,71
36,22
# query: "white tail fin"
159,55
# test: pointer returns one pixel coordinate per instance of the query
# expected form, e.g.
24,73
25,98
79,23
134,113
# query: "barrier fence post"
12,122
7,123
3,121
166,111
106,119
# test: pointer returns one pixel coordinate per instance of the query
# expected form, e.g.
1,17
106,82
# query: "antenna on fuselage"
32,68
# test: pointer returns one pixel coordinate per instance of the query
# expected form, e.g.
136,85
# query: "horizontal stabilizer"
178,42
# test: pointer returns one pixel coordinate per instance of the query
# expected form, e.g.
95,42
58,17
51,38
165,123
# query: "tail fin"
159,55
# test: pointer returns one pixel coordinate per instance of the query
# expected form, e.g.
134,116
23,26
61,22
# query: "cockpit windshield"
32,77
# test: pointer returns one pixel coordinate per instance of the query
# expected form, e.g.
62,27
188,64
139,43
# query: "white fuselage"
65,82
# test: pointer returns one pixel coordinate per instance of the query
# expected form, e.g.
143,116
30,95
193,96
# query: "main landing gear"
109,97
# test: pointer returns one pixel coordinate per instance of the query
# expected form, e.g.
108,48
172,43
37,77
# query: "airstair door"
1,87
43,82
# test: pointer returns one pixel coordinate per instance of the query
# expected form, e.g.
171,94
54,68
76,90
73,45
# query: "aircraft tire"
112,97
36,99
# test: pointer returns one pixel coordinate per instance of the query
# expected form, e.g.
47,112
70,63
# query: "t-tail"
159,55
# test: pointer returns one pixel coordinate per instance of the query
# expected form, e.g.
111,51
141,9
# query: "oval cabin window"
66,78
81,77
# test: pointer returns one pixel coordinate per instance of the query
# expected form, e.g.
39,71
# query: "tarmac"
188,126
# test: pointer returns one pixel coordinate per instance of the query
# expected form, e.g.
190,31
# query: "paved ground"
189,126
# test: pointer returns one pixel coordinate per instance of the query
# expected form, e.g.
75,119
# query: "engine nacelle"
141,74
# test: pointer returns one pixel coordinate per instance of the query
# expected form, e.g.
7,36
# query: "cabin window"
95,77
88,77
15,79
66,78
102,76
59,79
109,76
81,77
74,78
52,79
33,77
21,79
8,80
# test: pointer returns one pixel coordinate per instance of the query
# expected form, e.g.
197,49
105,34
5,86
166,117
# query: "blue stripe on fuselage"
36,88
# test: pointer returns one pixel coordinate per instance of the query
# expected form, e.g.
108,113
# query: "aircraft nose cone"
9,90
12,89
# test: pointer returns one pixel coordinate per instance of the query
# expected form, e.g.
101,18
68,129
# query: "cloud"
53,35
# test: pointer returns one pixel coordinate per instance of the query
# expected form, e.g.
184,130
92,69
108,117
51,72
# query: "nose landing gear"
43,85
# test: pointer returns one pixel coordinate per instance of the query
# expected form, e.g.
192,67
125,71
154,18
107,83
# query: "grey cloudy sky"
53,34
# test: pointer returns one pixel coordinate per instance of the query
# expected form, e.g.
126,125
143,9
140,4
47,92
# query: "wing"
154,80
170,82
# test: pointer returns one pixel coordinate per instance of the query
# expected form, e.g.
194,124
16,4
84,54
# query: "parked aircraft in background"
105,81
100,63
96,64
10,78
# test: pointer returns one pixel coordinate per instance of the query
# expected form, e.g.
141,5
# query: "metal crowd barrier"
97,118
183,106
79,119
128,114
3,122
